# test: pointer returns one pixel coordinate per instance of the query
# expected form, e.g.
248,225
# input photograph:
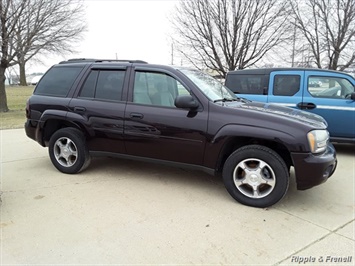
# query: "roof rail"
83,60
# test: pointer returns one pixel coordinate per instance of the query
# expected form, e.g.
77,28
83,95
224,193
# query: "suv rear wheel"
255,175
68,151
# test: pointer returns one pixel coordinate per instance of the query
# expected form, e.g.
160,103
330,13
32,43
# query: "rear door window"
286,85
104,85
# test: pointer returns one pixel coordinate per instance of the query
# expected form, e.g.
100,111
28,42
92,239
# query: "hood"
287,112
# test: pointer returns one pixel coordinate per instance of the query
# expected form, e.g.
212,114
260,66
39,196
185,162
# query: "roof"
92,60
266,71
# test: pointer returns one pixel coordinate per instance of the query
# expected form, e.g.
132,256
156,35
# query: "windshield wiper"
239,99
226,100
243,100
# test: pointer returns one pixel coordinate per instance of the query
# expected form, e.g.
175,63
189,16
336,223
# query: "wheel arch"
50,126
234,143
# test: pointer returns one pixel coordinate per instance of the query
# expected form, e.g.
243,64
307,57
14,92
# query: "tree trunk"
3,98
23,81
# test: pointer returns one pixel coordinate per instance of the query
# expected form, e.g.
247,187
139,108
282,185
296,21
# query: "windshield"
211,87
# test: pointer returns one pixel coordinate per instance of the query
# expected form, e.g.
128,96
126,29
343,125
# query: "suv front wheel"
255,175
68,151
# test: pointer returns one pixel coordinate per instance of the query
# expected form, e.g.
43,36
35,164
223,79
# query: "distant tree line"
219,35
224,35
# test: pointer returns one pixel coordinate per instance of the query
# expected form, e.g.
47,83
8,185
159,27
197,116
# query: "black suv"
177,116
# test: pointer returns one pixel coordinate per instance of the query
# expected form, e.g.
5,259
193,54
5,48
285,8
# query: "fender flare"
75,120
218,144
269,134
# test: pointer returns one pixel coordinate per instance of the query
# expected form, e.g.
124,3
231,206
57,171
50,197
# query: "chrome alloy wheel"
254,178
65,152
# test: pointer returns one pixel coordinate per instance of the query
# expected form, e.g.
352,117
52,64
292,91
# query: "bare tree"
9,15
32,27
50,27
328,28
225,35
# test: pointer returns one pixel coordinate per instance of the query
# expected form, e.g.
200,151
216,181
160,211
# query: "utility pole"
172,53
293,46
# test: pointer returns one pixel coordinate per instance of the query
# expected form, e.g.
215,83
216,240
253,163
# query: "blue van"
328,93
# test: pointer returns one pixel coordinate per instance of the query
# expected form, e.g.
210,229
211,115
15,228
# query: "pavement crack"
21,160
291,214
317,240
57,186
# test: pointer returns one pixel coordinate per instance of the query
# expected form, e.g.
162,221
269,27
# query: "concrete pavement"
126,212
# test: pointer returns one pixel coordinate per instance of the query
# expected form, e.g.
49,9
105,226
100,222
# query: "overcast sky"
128,29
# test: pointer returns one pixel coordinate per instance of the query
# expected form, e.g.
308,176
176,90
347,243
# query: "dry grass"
16,101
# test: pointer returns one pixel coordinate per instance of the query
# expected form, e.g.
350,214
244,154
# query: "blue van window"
329,87
247,84
286,85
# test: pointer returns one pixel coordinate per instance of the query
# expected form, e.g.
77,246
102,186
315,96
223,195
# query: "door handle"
79,109
306,106
136,115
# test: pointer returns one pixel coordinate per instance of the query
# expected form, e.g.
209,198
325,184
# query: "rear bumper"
32,131
312,170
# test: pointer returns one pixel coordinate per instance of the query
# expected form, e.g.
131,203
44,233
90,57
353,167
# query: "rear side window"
247,84
57,81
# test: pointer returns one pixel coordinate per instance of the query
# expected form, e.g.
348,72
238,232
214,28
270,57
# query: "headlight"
318,140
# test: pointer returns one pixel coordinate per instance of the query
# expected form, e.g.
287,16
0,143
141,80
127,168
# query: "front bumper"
312,170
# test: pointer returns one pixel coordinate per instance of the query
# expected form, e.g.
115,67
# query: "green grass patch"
16,101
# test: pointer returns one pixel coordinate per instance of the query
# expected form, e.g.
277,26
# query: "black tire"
68,151
256,176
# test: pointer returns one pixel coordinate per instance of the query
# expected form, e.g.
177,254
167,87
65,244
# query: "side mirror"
350,96
186,102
